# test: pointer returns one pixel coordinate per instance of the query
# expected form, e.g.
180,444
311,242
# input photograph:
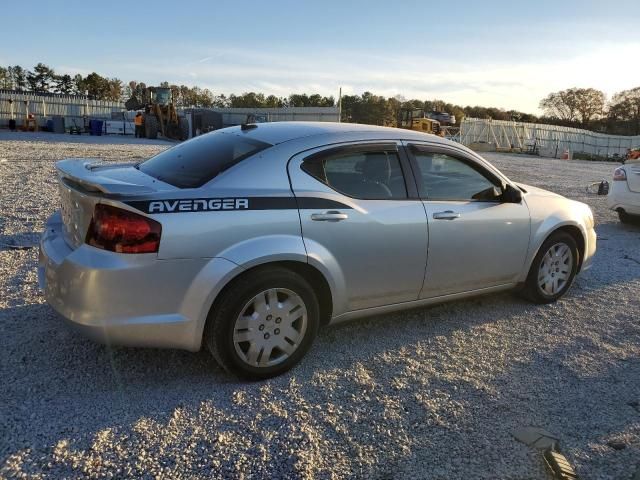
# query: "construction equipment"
443,117
257,118
160,114
30,123
416,119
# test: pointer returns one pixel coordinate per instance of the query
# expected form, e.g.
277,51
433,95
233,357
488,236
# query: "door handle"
330,216
446,215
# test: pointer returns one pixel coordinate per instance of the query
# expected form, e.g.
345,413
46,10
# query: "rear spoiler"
82,172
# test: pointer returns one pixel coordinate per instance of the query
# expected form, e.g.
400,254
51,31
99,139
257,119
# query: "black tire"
532,289
150,127
173,131
628,218
184,128
219,329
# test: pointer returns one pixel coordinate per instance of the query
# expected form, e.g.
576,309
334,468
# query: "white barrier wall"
118,127
547,140
43,106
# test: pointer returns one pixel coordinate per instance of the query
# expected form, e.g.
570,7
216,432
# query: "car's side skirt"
367,312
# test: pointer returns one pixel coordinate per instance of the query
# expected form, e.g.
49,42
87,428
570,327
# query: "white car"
624,195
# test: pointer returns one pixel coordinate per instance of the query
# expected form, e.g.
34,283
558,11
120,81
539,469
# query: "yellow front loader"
160,114
416,119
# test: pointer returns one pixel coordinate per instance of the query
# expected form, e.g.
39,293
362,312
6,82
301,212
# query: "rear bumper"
620,197
120,299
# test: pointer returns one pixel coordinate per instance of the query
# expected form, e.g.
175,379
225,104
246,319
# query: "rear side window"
193,163
371,175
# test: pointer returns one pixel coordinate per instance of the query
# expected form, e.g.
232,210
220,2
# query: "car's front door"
476,240
363,221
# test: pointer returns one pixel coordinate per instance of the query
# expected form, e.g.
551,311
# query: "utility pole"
340,105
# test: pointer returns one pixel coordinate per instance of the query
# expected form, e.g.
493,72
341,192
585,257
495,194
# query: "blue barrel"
58,124
95,127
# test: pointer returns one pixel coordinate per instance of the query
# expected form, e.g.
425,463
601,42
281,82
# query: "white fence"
16,105
547,140
43,106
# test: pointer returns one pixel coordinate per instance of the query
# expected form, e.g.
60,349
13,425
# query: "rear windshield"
193,163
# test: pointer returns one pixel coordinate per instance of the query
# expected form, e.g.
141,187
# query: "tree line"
589,108
576,107
43,79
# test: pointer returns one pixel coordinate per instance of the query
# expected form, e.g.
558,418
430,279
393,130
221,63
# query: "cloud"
517,82
71,70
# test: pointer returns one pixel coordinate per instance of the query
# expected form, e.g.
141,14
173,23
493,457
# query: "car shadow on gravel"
62,387
19,241
405,372
52,375
617,259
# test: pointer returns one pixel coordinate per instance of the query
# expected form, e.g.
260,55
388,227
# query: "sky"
507,54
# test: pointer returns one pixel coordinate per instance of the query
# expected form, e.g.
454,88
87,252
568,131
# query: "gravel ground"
429,393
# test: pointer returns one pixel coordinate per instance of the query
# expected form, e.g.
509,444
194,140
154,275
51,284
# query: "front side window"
371,175
444,177
193,163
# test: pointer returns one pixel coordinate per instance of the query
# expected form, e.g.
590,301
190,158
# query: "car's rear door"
475,239
363,220
633,175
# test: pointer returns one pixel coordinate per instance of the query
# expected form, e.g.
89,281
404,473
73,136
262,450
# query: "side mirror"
511,194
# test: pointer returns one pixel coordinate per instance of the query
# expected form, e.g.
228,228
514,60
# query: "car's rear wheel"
263,324
628,218
553,269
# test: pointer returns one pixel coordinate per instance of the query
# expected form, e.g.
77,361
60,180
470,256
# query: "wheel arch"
570,228
577,236
311,274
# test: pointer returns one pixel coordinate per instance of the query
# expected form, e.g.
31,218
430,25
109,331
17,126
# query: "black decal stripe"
315,202
254,203
143,206
272,203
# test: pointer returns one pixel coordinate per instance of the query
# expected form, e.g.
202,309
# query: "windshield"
163,96
193,163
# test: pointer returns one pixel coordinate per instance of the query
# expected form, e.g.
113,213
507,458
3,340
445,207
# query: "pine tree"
41,79
4,77
64,84
19,78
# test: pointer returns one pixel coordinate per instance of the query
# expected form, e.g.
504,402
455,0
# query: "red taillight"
122,231
619,174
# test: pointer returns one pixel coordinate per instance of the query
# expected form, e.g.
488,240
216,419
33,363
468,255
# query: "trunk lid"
83,183
633,175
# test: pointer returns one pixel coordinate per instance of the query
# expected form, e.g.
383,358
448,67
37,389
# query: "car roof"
280,132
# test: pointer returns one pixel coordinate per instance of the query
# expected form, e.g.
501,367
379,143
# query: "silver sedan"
248,239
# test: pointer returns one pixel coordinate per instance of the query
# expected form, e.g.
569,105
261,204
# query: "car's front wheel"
553,269
263,324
